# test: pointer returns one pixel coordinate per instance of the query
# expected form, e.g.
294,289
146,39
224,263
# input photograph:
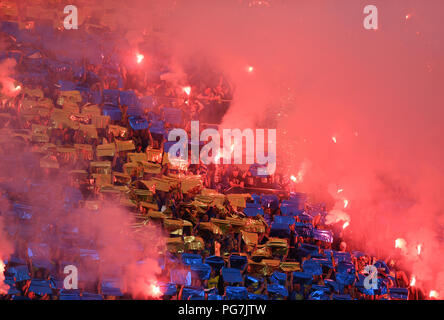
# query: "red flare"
400,243
3,286
140,58
187,90
155,291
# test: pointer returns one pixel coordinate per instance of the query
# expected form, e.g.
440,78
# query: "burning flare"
155,291
301,173
401,244
346,224
187,90
413,281
3,286
140,58
434,294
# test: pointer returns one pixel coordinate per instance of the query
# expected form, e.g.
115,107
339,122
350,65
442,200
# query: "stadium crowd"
102,128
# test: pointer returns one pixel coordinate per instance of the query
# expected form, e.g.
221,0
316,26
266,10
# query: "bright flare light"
408,16
155,290
434,294
3,286
334,139
140,58
345,225
418,249
250,69
413,281
345,203
400,243
187,90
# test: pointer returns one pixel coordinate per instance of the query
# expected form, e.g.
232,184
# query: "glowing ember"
345,203
413,281
418,249
18,88
340,190
250,69
346,224
140,58
434,294
334,139
293,178
187,90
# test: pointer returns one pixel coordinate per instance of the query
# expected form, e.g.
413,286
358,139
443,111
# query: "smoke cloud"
317,74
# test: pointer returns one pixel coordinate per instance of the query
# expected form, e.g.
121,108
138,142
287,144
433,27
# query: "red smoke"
8,86
319,74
